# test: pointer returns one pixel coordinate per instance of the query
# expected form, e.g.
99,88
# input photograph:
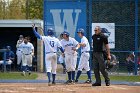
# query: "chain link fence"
123,14
120,12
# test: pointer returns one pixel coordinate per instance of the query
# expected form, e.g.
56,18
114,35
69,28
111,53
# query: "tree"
33,9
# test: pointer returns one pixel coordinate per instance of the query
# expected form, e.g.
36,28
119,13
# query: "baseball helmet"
8,47
50,31
81,30
20,36
65,33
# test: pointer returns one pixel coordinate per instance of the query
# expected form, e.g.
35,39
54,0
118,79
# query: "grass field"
17,75
117,78
34,76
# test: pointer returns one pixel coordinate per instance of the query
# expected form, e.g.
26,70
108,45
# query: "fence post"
136,35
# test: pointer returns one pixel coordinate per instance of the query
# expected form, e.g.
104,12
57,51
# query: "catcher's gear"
109,65
81,30
50,31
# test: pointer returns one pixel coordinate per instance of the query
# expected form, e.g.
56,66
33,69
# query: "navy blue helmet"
8,47
81,30
50,31
65,33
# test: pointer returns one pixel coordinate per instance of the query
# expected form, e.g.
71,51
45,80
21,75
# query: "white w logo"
66,18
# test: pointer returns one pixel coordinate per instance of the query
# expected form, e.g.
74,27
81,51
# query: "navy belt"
85,52
27,54
50,52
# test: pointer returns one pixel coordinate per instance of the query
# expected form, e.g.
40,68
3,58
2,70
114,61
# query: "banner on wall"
65,15
109,30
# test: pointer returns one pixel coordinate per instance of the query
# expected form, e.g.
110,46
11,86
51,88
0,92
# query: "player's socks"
24,68
27,68
69,75
73,75
49,76
89,74
63,65
53,77
30,68
78,74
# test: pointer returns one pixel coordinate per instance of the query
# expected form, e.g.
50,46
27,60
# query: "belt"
50,52
85,52
27,54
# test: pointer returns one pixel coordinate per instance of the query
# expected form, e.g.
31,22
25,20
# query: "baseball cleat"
76,81
49,83
72,82
68,82
88,81
53,83
23,73
29,73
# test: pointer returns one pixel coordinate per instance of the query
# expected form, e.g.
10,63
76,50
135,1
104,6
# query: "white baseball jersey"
51,47
18,52
70,55
84,59
27,50
85,41
51,43
68,45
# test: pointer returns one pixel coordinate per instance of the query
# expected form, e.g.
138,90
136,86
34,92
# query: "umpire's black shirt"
98,42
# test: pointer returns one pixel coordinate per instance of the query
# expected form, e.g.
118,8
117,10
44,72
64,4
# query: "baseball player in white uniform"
27,53
18,52
61,57
70,45
51,46
84,59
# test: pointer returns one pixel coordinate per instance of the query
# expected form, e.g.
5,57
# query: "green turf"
117,78
17,75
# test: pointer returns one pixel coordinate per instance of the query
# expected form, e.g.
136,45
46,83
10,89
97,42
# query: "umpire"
100,44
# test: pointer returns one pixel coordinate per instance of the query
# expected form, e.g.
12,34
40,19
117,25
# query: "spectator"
18,52
10,57
130,63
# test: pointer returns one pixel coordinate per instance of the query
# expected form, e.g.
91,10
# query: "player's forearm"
82,44
36,34
61,49
108,49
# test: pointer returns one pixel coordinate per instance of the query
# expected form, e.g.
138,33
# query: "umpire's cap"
81,30
50,31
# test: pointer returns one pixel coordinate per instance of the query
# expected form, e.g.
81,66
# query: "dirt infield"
62,88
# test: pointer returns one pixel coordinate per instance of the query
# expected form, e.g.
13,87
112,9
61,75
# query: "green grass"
117,78
17,75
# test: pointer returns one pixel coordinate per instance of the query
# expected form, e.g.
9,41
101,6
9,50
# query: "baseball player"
61,58
84,59
70,45
51,45
18,52
27,53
